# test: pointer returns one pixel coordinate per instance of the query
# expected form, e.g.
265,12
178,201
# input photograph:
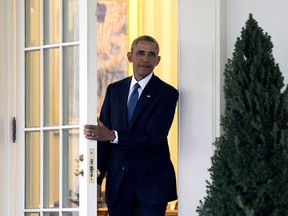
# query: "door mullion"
41,107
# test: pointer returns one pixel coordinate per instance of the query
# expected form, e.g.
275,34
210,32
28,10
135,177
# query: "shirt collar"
143,82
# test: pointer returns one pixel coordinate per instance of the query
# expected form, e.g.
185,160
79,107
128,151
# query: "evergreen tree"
249,172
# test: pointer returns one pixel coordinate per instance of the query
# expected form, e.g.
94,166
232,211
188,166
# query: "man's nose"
146,57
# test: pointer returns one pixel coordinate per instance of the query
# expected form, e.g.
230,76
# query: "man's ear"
129,56
158,60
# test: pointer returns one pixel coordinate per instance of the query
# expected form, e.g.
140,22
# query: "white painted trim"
20,79
221,59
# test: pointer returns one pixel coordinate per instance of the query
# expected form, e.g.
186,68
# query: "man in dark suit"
132,146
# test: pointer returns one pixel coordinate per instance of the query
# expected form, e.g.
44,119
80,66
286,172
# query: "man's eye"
140,53
151,54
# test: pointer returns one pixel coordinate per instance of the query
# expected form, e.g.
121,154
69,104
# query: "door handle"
78,172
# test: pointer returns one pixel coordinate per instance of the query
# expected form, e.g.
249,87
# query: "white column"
200,69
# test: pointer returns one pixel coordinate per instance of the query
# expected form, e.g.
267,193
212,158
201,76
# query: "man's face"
144,59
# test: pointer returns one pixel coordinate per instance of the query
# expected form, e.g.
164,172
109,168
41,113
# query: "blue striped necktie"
132,102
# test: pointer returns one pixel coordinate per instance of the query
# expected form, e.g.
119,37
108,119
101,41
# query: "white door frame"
7,107
20,96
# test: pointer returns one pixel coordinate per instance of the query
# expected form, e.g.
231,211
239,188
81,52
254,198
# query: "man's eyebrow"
145,51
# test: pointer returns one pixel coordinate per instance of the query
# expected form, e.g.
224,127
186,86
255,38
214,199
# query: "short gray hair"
145,38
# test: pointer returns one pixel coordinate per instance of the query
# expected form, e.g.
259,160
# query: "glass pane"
71,85
70,214
51,87
32,214
32,170
32,23
51,214
51,169
51,21
70,20
70,154
32,89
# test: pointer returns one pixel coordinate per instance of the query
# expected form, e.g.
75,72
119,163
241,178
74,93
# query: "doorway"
119,22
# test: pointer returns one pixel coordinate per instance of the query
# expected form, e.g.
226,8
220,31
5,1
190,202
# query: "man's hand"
98,132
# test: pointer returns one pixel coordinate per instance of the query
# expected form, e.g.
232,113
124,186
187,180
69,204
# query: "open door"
56,96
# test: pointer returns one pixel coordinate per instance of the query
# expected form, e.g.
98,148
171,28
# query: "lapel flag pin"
148,96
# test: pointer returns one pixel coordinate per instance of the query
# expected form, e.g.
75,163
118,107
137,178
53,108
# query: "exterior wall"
207,34
272,16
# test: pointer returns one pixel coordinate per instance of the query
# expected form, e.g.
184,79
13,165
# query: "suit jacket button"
123,168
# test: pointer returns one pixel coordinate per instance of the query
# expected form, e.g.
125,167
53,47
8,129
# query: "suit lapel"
123,101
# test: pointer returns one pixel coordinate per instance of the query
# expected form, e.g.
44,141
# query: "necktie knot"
132,101
136,86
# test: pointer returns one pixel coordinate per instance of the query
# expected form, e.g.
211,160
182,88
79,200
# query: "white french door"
56,96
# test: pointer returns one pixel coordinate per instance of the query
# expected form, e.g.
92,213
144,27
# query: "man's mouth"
146,66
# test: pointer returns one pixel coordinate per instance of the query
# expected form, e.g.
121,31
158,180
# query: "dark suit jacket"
142,147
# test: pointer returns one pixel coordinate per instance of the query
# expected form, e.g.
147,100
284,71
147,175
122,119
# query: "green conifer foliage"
249,172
